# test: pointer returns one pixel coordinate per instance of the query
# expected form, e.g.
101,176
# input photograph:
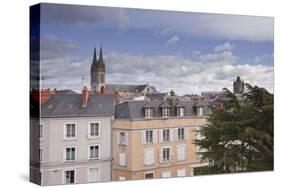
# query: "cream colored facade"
134,158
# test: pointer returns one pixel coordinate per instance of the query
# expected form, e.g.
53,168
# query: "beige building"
71,142
155,139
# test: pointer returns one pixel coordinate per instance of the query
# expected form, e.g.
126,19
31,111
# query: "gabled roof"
71,106
129,88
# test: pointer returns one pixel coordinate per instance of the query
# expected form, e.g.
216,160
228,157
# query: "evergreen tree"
239,137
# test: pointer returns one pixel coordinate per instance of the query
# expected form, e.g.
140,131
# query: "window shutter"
126,138
143,141
176,134
160,135
181,152
122,159
148,156
172,135
186,133
171,154
154,136
161,155
181,172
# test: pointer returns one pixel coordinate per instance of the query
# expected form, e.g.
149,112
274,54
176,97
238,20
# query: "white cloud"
224,47
211,72
172,40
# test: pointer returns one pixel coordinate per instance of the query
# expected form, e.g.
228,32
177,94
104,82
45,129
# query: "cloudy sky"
186,52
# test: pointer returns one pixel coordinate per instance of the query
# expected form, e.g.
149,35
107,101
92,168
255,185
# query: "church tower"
238,86
98,73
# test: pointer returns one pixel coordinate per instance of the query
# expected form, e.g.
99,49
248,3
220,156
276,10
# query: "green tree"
239,137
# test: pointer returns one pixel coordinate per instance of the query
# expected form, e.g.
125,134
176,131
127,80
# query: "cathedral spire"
101,56
95,56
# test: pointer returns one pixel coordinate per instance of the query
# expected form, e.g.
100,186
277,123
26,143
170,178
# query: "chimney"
85,96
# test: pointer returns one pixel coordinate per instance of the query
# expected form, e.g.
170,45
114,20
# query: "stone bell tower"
98,73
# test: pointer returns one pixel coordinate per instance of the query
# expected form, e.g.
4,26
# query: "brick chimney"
85,96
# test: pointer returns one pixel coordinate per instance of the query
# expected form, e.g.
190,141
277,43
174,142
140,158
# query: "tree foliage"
239,137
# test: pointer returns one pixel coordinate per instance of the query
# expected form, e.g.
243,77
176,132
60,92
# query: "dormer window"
200,111
148,112
180,111
165,112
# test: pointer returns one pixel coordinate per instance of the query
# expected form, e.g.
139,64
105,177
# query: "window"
200,111
70,130
149,175
123,138
166,135
40,155
180,134
165,112
181,172
148,113
149,136
180,112
69,177
94,130
122,159
40,131
94,175
122,178
181,152
148,156
166,174
94,152
70,154
166,154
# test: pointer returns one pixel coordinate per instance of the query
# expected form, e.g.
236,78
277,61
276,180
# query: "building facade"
72,141
155,139
238,86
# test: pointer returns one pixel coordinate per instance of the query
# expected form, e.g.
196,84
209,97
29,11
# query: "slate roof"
128,87
156,96
71,106
65,91
135,109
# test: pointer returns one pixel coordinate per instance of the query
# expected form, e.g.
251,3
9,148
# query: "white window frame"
181,169
151,172
165,112
178,147
148,113
180,112
122,141
89,151
200,111
40,131
169,159
64,176
146,140
169,137
98,179
178,135
89,129
65,131
125,161
145,161
122,178
170,174
64,154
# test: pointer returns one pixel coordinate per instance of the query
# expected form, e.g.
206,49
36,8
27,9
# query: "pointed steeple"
101,56
95,56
